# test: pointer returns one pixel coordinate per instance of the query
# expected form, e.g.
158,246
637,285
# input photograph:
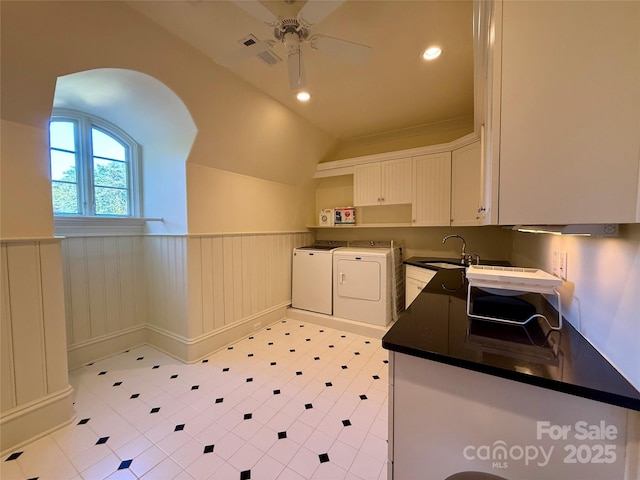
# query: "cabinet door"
570,112
396,181
432,189
412,289
367,184
466,179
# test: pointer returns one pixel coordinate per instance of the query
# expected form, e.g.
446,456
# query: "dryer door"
358,279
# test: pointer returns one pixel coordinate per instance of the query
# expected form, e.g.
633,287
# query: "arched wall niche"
156,118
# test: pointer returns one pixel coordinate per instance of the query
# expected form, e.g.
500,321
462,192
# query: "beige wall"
491,243
600,296
240,129
226,202
25,182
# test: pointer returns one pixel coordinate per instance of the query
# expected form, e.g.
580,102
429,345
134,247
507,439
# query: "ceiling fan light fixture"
431,53
303,96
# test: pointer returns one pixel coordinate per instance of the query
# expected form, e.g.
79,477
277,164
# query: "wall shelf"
364,225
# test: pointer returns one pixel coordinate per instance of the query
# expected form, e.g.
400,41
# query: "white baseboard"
35,419
82,353
359,328
195,349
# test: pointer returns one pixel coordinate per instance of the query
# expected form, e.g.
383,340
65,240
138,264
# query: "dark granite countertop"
436,327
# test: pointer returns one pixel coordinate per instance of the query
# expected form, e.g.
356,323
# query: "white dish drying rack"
513,281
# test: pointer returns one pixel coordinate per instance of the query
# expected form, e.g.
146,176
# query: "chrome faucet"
463,255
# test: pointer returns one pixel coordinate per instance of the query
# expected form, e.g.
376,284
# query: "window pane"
106,146
63,166
111,201
62,135
108,173
65,197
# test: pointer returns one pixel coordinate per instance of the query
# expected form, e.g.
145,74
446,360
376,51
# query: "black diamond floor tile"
13,456
248,416
135,395
155,410
323,457
179,428
195,387
282,435
245,475
84,421
346,423
219,400
102,440
308,406
208,448
125,464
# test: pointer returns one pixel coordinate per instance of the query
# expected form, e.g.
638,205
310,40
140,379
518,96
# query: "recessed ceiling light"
431,53
303,96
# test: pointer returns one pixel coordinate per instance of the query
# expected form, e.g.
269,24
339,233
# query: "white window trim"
103,225
85,121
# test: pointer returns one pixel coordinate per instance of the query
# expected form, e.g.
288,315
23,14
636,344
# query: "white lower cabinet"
416,279
432,190
448,422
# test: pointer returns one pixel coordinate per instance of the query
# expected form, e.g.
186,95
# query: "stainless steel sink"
440,264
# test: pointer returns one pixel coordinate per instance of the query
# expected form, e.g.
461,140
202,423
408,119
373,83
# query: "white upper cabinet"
568,95
466,186
431,204
382,183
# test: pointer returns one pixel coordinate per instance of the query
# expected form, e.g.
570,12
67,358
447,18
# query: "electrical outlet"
554,263
257,326
562,265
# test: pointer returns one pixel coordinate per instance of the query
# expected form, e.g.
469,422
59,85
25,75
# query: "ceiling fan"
292,32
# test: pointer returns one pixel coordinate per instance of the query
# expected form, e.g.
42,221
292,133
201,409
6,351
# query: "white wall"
600,296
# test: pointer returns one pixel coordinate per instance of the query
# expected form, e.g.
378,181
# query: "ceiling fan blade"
243,53
314,11
258,11
297,74
347,51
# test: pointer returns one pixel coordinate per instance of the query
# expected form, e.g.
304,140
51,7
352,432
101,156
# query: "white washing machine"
312,278
362,285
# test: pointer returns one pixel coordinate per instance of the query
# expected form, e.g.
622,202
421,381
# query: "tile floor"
293,401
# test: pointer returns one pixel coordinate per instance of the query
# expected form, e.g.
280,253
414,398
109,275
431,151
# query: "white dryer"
362,285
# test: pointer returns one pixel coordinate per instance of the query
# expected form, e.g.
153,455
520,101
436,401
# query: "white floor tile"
300,383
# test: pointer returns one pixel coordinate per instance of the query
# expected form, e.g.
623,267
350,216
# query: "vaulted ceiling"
394,90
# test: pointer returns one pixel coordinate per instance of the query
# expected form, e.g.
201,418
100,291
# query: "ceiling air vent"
267,56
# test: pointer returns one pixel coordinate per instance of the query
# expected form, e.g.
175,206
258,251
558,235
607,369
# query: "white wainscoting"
206,291
105,287
35,394
187,295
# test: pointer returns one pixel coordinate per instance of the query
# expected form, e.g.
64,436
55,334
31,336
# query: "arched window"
94,167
